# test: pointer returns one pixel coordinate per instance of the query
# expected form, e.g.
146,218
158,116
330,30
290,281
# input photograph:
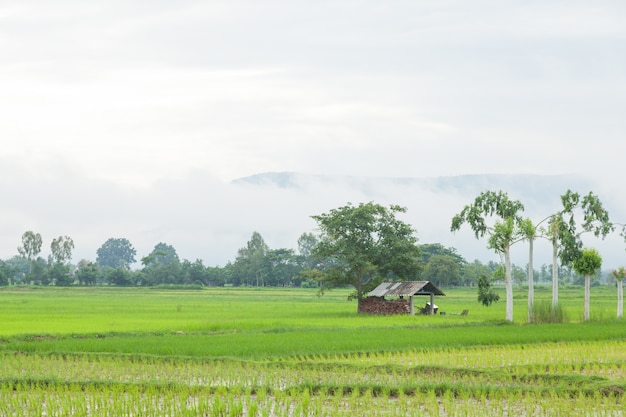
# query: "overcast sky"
130,118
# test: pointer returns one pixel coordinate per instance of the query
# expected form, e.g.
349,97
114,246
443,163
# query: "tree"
486,294
162,255
87,272
442,270
428,250
471,272
120,276
529,232
59,274
250,261
281,267
363,245
501,234
194,273
61,249
162,266
306,243
6,273
619,275
115,253
563,233
587,264
31,247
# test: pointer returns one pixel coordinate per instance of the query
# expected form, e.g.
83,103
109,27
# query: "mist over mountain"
431,203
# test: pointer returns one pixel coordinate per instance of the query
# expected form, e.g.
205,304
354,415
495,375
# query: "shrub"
543,312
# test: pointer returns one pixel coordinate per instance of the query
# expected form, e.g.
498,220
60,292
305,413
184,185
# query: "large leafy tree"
162,266
495,215
588,263
362,245
116,253
162,255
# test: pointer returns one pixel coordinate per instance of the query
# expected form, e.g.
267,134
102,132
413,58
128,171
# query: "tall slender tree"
250,261
577,216
31,247
587,264
619,274
502,232
529,232
61,249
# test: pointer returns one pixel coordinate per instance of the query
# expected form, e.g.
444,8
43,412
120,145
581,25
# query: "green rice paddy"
287,352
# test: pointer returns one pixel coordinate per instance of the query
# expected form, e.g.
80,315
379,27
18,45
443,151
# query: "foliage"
120,276
306,243
6,273
545,312
31,247
504,231
486,294
88,273
61,249
619,274
428,250
248,266
564,227
588,262
162,255
116,253
59,275
364,244
442,270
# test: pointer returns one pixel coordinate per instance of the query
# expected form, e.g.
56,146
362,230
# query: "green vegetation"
286,352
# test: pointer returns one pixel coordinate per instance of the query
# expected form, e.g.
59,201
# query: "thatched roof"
406,289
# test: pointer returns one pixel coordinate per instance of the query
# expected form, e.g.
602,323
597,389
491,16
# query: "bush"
544,313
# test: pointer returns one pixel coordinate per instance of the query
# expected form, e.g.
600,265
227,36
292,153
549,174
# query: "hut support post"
411,306
432,304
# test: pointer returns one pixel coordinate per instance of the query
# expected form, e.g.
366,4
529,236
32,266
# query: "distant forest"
255,264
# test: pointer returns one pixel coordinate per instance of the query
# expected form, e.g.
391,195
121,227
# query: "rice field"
248,352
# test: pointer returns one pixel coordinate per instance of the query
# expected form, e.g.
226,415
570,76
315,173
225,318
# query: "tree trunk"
587,291
531,281
508,283
555,276
620,298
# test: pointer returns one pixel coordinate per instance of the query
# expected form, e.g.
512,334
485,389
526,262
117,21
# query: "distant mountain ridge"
530,186
433,201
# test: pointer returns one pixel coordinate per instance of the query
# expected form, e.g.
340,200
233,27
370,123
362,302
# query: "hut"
409,289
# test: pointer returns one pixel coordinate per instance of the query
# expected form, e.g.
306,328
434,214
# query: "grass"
287,352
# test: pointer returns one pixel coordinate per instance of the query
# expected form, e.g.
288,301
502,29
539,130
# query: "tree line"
256,264
355,246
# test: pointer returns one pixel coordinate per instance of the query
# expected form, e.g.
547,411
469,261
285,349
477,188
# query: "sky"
131,118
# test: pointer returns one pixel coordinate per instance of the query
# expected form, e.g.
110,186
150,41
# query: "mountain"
521,186
432,202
